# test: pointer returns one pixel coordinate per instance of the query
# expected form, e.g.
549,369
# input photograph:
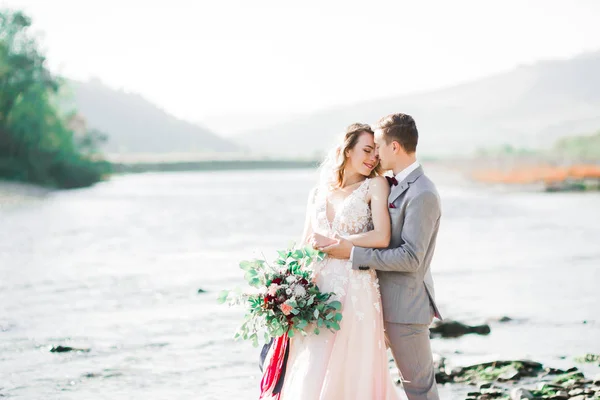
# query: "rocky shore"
514,379
520,379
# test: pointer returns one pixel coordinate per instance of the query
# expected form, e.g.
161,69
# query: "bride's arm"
307,232
380,236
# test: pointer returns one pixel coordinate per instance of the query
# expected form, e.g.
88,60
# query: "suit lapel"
402,186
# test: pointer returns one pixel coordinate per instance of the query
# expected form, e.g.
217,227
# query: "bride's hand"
318,241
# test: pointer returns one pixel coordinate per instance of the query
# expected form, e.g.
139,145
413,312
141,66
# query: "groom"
403,268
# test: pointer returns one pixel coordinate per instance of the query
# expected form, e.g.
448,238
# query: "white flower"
272,290
299,291
288,291
290,279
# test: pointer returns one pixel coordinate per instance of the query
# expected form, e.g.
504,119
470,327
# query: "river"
116,269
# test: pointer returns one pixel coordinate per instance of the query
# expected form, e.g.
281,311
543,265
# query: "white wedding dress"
352,363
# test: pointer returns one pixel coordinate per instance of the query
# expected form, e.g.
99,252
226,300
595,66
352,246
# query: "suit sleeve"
422,217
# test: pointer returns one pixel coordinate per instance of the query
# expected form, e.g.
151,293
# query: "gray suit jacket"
403,269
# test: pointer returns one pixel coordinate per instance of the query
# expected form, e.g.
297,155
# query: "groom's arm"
420,222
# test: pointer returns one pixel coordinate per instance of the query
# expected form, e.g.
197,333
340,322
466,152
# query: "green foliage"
286,298
36,143
589,358
585,148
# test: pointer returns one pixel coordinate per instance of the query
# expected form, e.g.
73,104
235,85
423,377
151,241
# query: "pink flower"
286,309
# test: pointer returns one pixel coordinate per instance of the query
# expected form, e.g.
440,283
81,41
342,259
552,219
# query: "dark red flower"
304,281
277,281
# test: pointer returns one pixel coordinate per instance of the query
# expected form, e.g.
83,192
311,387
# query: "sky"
238,64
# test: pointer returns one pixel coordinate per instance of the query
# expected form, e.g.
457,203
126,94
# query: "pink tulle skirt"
351,363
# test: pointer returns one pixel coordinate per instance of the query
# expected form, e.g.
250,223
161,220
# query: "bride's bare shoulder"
379,186
379,182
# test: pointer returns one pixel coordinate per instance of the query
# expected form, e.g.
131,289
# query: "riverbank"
211,165
17,192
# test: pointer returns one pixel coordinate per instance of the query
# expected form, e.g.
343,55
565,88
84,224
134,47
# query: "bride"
350,201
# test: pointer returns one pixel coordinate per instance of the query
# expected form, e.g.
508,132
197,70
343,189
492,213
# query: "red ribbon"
272,372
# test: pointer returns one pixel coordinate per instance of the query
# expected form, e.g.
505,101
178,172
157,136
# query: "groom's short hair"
400,128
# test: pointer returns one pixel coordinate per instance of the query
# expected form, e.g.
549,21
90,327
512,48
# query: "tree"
36,142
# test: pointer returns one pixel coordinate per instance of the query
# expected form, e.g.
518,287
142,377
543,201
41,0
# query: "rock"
582,397
501,371
511,374
520,393
588,358
66,349
576,392
553,371
501,320
544,386
559,397
201,291
493,393
533,365
442,377
573,376
451,329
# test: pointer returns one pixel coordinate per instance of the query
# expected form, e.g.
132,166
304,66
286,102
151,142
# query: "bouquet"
285,299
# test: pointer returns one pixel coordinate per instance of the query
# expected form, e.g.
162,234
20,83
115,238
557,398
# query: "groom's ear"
397,147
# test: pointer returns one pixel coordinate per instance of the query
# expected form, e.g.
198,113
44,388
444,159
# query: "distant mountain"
529,106
134,125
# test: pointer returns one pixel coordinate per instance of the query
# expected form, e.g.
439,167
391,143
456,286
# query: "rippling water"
116,268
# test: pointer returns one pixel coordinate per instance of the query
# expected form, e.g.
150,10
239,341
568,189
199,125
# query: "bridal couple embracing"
379,233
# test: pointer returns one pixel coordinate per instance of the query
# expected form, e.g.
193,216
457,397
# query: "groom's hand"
340,249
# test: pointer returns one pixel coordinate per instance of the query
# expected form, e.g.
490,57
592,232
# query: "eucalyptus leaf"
222,298
246,265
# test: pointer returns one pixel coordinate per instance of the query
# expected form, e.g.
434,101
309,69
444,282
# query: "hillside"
134,125
529,106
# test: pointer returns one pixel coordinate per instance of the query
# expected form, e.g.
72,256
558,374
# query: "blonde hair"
335,164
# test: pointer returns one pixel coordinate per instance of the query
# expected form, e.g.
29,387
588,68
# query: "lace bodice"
353,215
